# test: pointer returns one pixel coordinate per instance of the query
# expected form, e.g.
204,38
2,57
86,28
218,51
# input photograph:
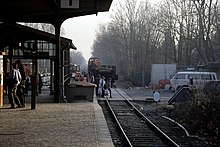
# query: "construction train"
95,67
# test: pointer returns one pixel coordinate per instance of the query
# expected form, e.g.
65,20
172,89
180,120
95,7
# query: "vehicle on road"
196,78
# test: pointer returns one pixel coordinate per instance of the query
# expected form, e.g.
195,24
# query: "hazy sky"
82,30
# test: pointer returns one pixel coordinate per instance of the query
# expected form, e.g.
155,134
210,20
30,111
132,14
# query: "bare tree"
178,31
45,27
205,10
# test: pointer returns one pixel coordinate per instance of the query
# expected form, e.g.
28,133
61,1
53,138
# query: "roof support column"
57,66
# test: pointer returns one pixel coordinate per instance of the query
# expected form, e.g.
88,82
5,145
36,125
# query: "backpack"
12,78
106,92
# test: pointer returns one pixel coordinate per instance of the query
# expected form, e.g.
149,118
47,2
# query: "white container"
162,71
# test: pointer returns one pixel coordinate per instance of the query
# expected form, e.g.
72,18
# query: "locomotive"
95,67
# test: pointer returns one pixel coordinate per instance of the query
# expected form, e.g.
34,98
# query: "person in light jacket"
14,81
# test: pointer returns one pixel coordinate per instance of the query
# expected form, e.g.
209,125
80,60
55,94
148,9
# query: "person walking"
14,81
21,86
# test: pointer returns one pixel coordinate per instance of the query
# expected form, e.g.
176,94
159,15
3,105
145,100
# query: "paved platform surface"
78,124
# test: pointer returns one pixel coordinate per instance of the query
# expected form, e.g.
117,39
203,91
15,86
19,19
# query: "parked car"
198,79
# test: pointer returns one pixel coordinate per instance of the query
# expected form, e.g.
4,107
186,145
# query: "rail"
154,128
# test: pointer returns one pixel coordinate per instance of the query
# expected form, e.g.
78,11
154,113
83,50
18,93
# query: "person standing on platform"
102,86
101,90
108,86
21,86
27,79
97,85
14,81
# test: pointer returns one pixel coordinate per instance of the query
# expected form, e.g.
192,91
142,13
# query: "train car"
95,67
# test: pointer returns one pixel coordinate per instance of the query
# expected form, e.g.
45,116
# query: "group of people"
103,86
16,85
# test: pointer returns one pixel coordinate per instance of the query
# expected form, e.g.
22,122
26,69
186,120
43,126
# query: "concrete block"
79,90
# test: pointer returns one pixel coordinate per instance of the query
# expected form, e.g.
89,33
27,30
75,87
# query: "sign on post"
156,96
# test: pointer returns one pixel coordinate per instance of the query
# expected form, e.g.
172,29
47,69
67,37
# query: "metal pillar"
51,77
57,66
34,83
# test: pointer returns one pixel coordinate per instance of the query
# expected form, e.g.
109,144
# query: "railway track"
135,128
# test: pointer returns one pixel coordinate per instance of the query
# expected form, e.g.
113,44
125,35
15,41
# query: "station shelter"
54,12
30,45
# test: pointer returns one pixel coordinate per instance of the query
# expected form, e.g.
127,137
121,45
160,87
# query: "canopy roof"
49,11
20,33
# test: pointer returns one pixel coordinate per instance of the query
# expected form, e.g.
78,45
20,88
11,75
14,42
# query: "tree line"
185,32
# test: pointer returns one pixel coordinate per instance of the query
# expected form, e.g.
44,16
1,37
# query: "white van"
199,79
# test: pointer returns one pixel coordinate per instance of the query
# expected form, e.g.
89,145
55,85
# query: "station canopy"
54,12
20,33
49,11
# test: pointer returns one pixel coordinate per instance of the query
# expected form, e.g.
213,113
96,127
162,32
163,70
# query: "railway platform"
77,124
